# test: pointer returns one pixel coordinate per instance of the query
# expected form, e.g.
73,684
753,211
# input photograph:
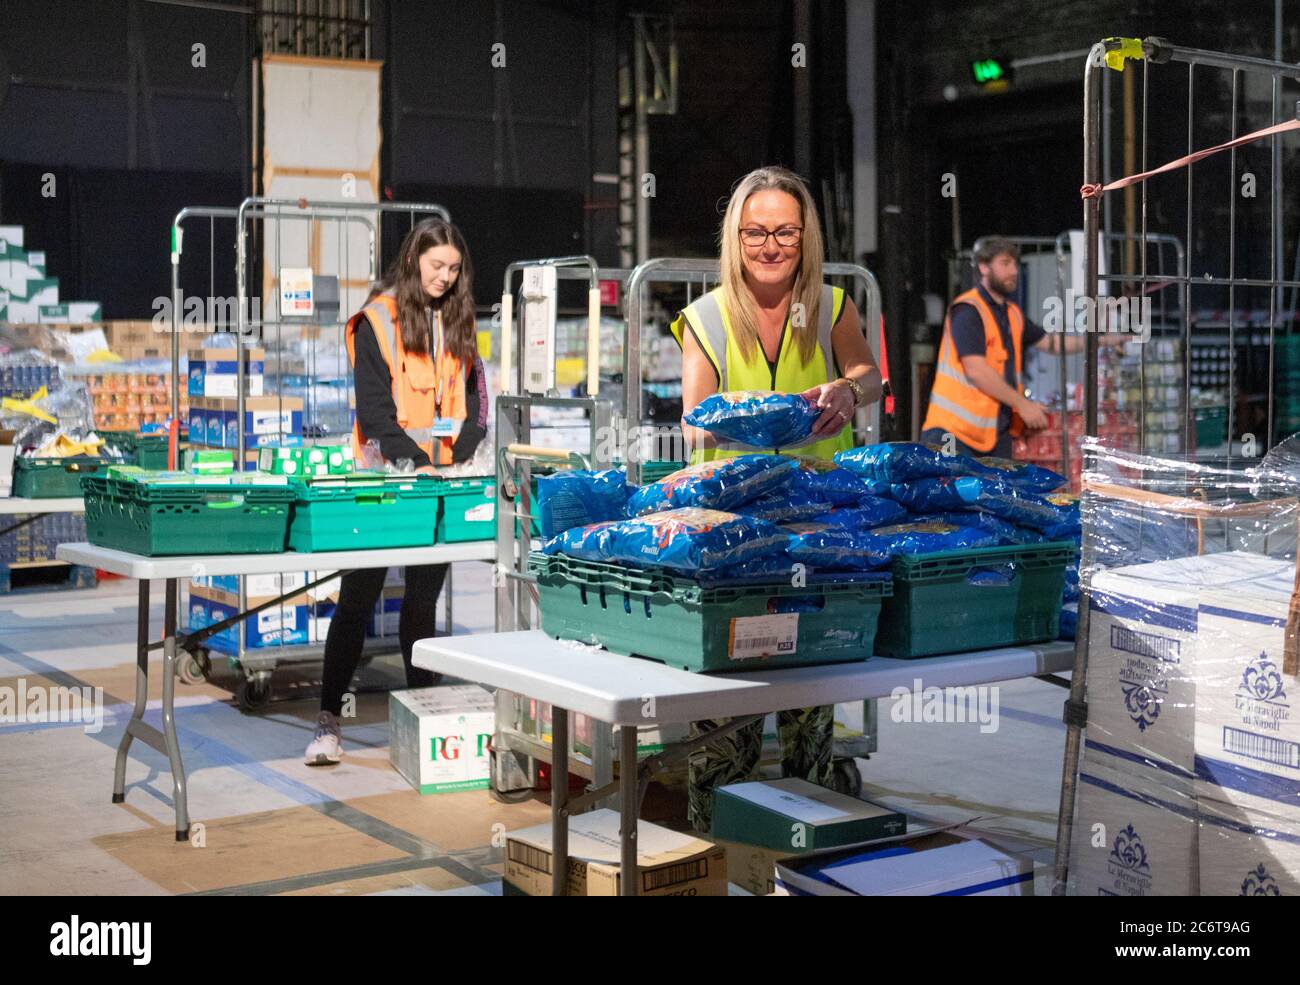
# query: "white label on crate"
485,511
763,636
785,802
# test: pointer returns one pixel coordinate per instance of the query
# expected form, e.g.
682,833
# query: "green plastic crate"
953,601
158,520
700,627
53,478
358,515
1211,428
658,469
148,451
467,510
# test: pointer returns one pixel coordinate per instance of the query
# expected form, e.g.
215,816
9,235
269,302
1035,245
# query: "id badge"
443,427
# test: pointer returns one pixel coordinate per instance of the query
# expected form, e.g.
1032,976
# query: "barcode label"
1264,748
530,857
763,636
673,874
1143,644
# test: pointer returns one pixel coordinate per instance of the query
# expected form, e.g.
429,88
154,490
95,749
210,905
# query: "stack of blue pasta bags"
758,516
1009,502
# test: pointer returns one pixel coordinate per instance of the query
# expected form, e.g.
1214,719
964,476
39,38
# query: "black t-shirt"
968,339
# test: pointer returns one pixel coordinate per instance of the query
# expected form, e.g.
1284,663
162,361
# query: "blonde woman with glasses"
773,325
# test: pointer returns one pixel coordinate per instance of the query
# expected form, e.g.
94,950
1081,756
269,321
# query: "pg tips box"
439,736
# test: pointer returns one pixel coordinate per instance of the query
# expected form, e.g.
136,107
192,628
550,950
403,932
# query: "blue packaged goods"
831,545
970,492
767,569
1071,593
687,540
1007,533
903,461
1023,475
837,486
784,506
927,537
756,417
723,484
870,511
579,499
1069,524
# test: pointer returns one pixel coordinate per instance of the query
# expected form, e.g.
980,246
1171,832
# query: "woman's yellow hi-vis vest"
957,405
711,326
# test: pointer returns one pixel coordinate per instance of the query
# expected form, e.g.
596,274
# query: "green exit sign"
986,70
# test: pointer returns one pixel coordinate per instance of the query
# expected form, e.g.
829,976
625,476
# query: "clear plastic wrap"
70,406
1190,782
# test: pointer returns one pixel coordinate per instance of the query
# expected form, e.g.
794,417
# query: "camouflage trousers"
806,739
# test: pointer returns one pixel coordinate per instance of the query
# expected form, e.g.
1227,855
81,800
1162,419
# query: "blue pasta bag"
756,417
769,569
1007,533
970,492
831,545
1071,590
837,486
1069,524
722,484
784,506
687,540
580,498
927,537
903,461
1022,475
871,511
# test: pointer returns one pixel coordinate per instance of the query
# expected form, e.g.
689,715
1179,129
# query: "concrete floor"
275,826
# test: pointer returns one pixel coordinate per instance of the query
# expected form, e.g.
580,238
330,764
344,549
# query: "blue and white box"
1135,830
212,372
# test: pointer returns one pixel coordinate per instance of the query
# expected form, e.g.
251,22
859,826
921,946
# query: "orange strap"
1096,191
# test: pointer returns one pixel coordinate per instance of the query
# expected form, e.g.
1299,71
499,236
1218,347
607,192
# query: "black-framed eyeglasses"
785,236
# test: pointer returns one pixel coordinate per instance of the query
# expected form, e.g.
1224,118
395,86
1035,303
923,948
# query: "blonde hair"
737,299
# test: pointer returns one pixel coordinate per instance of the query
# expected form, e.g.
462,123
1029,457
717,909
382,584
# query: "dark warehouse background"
102,94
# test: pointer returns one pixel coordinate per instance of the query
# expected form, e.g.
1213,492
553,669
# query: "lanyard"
437,361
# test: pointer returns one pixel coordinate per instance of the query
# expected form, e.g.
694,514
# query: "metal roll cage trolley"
1114,53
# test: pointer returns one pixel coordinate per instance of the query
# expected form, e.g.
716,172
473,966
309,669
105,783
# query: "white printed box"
1247,852
439,736
1134,831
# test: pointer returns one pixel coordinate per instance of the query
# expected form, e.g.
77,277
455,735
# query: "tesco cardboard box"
439,737
668,863
1135,830
938,861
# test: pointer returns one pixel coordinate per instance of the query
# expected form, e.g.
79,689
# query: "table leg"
141,692
629,808
447,590
559,801
169,717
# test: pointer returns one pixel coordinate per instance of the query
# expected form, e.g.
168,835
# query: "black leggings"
357,597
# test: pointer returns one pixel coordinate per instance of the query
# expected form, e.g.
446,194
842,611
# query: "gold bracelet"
859,395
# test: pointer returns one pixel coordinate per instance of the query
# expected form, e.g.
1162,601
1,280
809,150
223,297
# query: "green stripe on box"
453,787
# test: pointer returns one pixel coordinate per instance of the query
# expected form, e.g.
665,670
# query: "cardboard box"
268,421
1247,717
212,372
1143,675
282,625
937,862
8,452
794,816
1134,831
1247,852
439,736
668,863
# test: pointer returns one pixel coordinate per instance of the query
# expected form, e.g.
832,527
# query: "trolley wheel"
845,777
253,692
193,667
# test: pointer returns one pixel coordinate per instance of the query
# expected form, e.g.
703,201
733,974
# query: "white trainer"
324,747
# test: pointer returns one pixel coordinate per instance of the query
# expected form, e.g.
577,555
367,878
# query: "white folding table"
171,570
631,693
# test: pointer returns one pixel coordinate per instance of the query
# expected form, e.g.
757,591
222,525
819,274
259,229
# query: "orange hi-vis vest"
957,405
425,387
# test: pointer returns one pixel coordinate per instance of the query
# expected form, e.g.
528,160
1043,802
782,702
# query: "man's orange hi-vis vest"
956,404
425,387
